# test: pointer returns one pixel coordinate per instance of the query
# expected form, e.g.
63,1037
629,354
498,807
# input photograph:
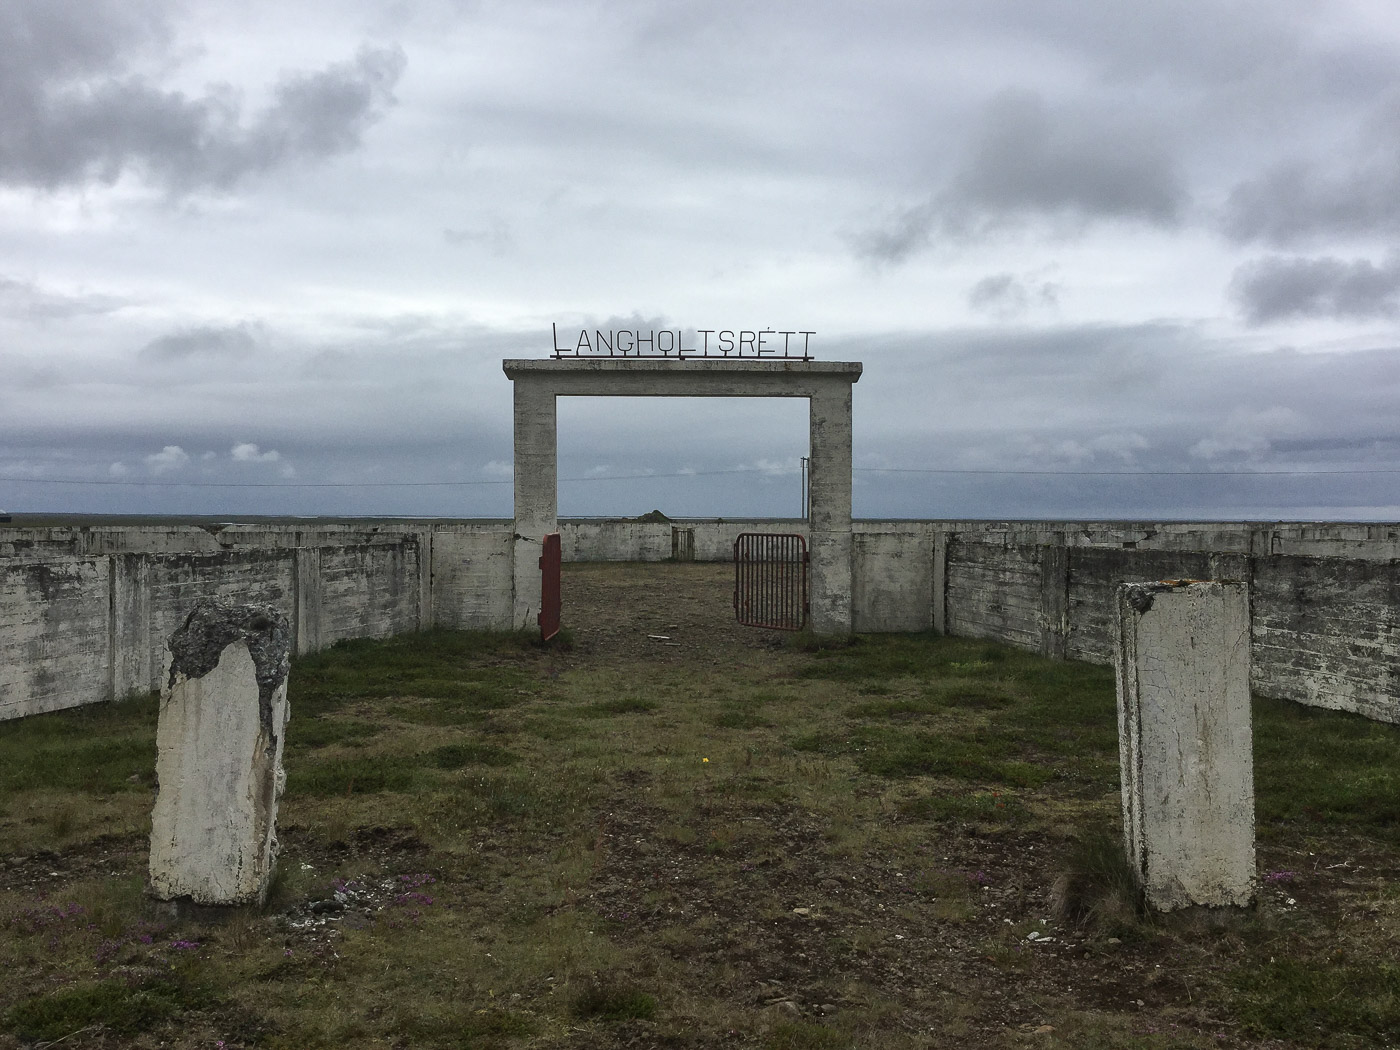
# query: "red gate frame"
551,599
777,600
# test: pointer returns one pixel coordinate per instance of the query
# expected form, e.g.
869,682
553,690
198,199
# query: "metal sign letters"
671,343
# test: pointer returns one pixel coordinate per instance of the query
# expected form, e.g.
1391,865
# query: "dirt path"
668,612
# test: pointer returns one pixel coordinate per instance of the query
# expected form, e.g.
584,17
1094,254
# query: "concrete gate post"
536,490
830,525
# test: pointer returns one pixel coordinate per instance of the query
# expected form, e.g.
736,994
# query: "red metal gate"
770,580
551,601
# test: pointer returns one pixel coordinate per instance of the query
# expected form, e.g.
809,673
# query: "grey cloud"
205,342
73,112
27,299
904,234
1027,161
1304,198
999,293
1005,295
1277,288
494,236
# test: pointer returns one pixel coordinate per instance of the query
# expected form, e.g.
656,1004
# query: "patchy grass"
904,842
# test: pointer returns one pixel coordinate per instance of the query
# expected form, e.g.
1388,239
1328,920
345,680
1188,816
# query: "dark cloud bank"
74,109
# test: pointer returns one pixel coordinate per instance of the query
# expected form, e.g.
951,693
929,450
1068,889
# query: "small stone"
1113,942
804,912
787,1006
828,1008
1044,1029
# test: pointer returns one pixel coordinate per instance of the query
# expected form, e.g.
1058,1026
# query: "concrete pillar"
307,628
830,526
133,670
1054,600
940,581
425,577
219,756
536,495
1185,741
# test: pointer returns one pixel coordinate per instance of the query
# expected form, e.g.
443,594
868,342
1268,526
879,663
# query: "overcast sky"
285,245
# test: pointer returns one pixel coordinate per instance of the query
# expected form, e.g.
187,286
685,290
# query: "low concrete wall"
77,631
75,628
54,635
1325,631
892,580
471,577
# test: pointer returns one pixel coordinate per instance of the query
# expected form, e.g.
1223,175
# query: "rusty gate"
551,600
770,580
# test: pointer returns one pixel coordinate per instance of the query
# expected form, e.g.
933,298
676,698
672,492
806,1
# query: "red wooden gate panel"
770,580
551,601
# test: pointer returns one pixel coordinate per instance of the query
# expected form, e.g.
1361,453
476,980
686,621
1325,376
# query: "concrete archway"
825,384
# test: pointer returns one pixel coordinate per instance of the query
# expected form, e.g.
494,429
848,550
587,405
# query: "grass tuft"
1326,1002
607,1000
1098,889
116,1005
623,705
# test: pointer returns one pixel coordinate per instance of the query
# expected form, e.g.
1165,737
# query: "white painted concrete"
219,765
826,385
1185,741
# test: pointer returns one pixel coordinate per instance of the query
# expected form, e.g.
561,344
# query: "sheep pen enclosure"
672,831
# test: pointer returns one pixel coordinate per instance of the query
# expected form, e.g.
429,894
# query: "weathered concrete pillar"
940,581
307,627
830,526
536,490
131,664
219,761
1054,600
1185,741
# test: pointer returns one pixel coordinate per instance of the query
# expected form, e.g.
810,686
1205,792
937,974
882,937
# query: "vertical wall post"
306,629
829,482
1185,741
940,581
1054,600
536,496
129,576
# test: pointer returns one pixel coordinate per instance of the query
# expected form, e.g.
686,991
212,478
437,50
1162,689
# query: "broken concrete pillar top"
196,645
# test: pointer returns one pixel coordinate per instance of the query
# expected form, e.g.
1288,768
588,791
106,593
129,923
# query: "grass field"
910,841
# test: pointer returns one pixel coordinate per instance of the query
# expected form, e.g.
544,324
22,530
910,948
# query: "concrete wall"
892,581
77,631
74,629
1325,631
622,540
54,635
471,577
